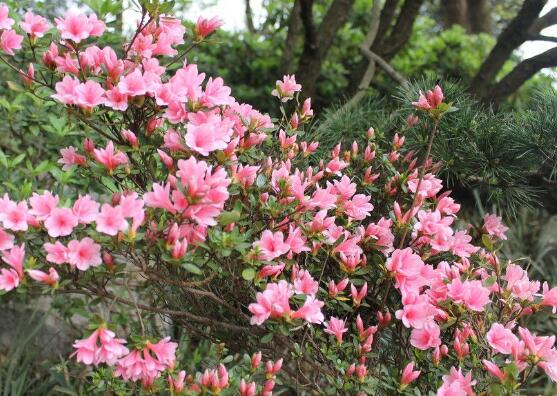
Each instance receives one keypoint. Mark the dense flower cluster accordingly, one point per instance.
(213, 199)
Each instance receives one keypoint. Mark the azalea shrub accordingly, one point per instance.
(204, 218)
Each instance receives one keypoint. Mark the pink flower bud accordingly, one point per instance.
(256, 360)
(88, 146)
(370, 133)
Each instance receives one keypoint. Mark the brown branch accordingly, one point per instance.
(163, 311)
(541, 37)
(402, 30)
(383, 64)
(546, 20)
(521, 73)
(516, 33)
(369, 73)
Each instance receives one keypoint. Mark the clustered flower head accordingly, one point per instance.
(329, 258)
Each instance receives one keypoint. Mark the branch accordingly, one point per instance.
(168, 312)
(402, 30)
(367, 43)
(541, 37)
(521, 73)
(383, 64)
(516, 33)
(548, 19)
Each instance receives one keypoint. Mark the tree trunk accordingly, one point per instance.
(385, 22)
(402, 30)
(516, 33)
(455, 12)
(317, 43)
(249, 17)
(292, 38)
(479, 16)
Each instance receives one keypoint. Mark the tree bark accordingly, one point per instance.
(479, 16)
(292, 38)
(520, 74)
(318, 42)
(455, 12)
(249, 17)
(385, 23)
(400, 34)
(516, 33)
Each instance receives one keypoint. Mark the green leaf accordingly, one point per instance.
(248, 274)
(230, 217)
(267, 338)
(194, 269)
(487, 242)
(490, 281)
(3, 159)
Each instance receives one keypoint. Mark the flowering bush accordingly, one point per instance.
(350, 276)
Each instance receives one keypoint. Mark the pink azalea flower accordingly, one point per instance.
(34, 25)
(286, 88)
(100, 347)
(409, 375)
(310, 311)
(405, 265)
(14, 215)
(549, 296)
(111, 220)
(245, 175)
(426, 337)
(501, 339)
(159, 198)
(5, 21)
(9, 279)
(494, 226)
(205, 27)
(85, 209)
(10, 41)
(89, 95)
(61, 222)
(14, 258)
(134, 366)
(56, 253)
(457, 384)
(164, 350)
(305, 284)
(207, 133)
(79, 27)
(71, 158)
(51, 278)
(116, 100)
(6, 240)
(66, 90)
(272, 245)
(109, 157)
(358, 208)
(133, 84)
(271, 303)
(42, 205)
(336, 327)
(84, 254)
